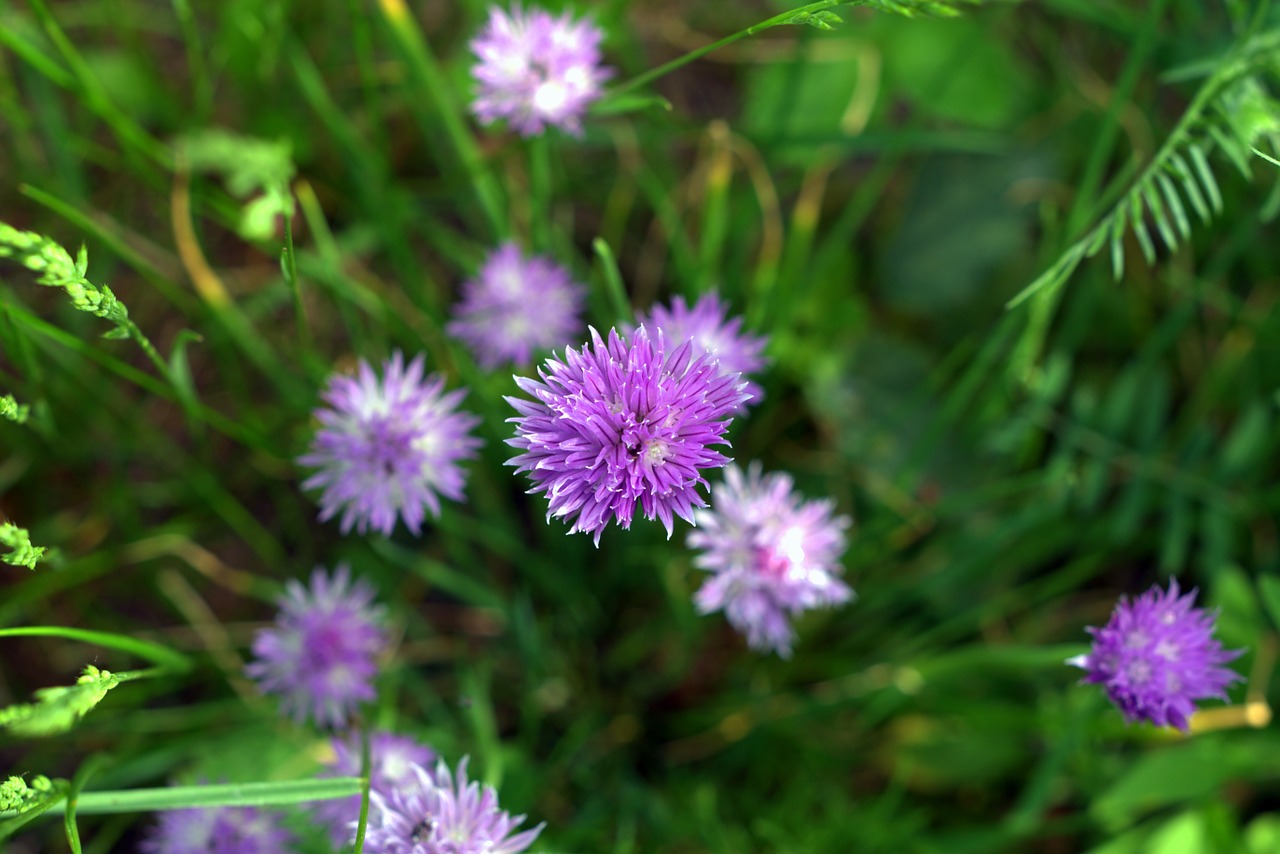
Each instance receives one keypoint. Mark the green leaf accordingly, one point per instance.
(12, 410)
(18, 541)
(1174, 201)
(1189, 186)
(1182, 774)
(20, 803)
(57, 709)
(1269, 595)
(159, 655)
(274, 794)
(1201, 163)
(1139, 227)
(1156, 207)
(630, 102)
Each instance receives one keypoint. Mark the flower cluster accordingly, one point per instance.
(715, 333)
(392, 759)
(515, 307)
(389, 447)
(319, 656)
(770, 555)
(216, 830)
(535, 70)
(443, 813)
(1156, 656)
(613, 424)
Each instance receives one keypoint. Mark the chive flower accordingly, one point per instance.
(713, 332)
(517, 306)
(443, 813)
(535, 70)
(614, 424)
(771, 556)
(389, 447)
(392, 759)
(216, 830)
(318, 657)
(1156, 656)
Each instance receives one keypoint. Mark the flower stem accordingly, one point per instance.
(666, 68)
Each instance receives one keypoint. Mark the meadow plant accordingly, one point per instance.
(392, 760)
(389, 447)
(612, 424)
(319, 658)
(1157, 656)
(517, 306)
(771, 555)
(714, 333)
(901, 213)
(536, 70)
(441, 812)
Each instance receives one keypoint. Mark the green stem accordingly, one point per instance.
(613, 282)
(423, 65)
(666, 68)
(289, 267)
(72, 803)
(219, 795)
(366, 777)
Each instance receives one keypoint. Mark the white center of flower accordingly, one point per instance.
(657, 452)
(1139, 672)
(550, 96)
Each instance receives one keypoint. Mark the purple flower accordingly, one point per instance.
(613, 424)
(319, 655)
(216, 830)
(1157, 656)
(389, 447)
(517, 306)
(714, 333)
(443, 814)
(535, 70)
(771, 556)
(392, 760)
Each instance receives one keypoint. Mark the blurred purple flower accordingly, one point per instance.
(216, 830)
(613, 424)
(389, 447)
(517, 306)
(771, 555)
(535, 70)
(442, 813)
(1156, 656)
(713, 332)
(392, 759)
(319, 655)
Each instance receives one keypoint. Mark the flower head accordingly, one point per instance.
(535, 70)
(389, 447)
(392, 759)
(613, 424)
(771, 556)
(713, 332)
(1156, 656)
(319, 655)
(517, 306)
(216, 830)
(443, 813)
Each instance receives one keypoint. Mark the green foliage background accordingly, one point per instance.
(870, 197)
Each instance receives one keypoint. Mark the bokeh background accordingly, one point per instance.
(868, 197)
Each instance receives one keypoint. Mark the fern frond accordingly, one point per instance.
(1230, 113)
